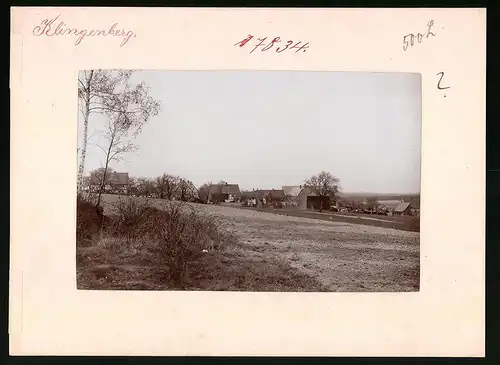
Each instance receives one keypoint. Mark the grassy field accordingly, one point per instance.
(267, 252)
(406, 223)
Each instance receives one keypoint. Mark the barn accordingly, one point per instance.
(215, 194)
(308, 199)
(402, 209)
(222, 192)
(232, 191)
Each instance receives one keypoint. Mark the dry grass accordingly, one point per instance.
(177, 247)
(106, 267)
(245, 250)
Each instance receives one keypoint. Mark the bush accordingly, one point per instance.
(88, 220)
(131, 217)
(175, 235)
(183, 233)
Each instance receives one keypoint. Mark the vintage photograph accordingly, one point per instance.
(263, 181)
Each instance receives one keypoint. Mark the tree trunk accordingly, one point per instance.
(81, 167)
(103, 182)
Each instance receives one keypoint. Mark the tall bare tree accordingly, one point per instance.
(324, 185)
(117, 146)
(127, 110)
(95, 88)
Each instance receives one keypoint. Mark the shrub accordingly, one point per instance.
(182, 233)
(131, 216)
(175, 235)
(88, 220)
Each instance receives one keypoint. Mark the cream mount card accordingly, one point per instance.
(446, 48)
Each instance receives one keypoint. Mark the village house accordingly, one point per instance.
(115, 182)
(404, 208)
(249, 198)
(185, 191)
(308, 199)
(224, 192)
(389, 205)
(273, 196)
(269, 196)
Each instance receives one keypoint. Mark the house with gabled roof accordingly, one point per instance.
(222, 192)
(114, 181)
(308, 199)
(185, 190)
(403, 208)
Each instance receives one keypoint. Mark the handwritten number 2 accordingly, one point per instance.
(439, 82)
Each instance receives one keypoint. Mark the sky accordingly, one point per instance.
(266, 129)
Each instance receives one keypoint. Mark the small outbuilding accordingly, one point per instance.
(308, 199)
(402, 209)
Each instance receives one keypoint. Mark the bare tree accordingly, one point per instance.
(117, 146)
(324, 185)
(145, 186)
(95, 87)
(166, 185)
(127, 110)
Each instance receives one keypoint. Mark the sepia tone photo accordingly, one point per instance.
(270, 181)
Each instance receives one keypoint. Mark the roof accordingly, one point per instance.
(307, 190)
(390, 203)
(231, 189)
(188, 185)
(276, 194)
(291, 190)
(261, 193)
(402, 207)
(249, 194)
(225, 189)
(112, 178)
(215, 189)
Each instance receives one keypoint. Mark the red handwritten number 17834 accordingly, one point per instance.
(267, 45)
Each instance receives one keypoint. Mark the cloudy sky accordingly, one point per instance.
(263, 129)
